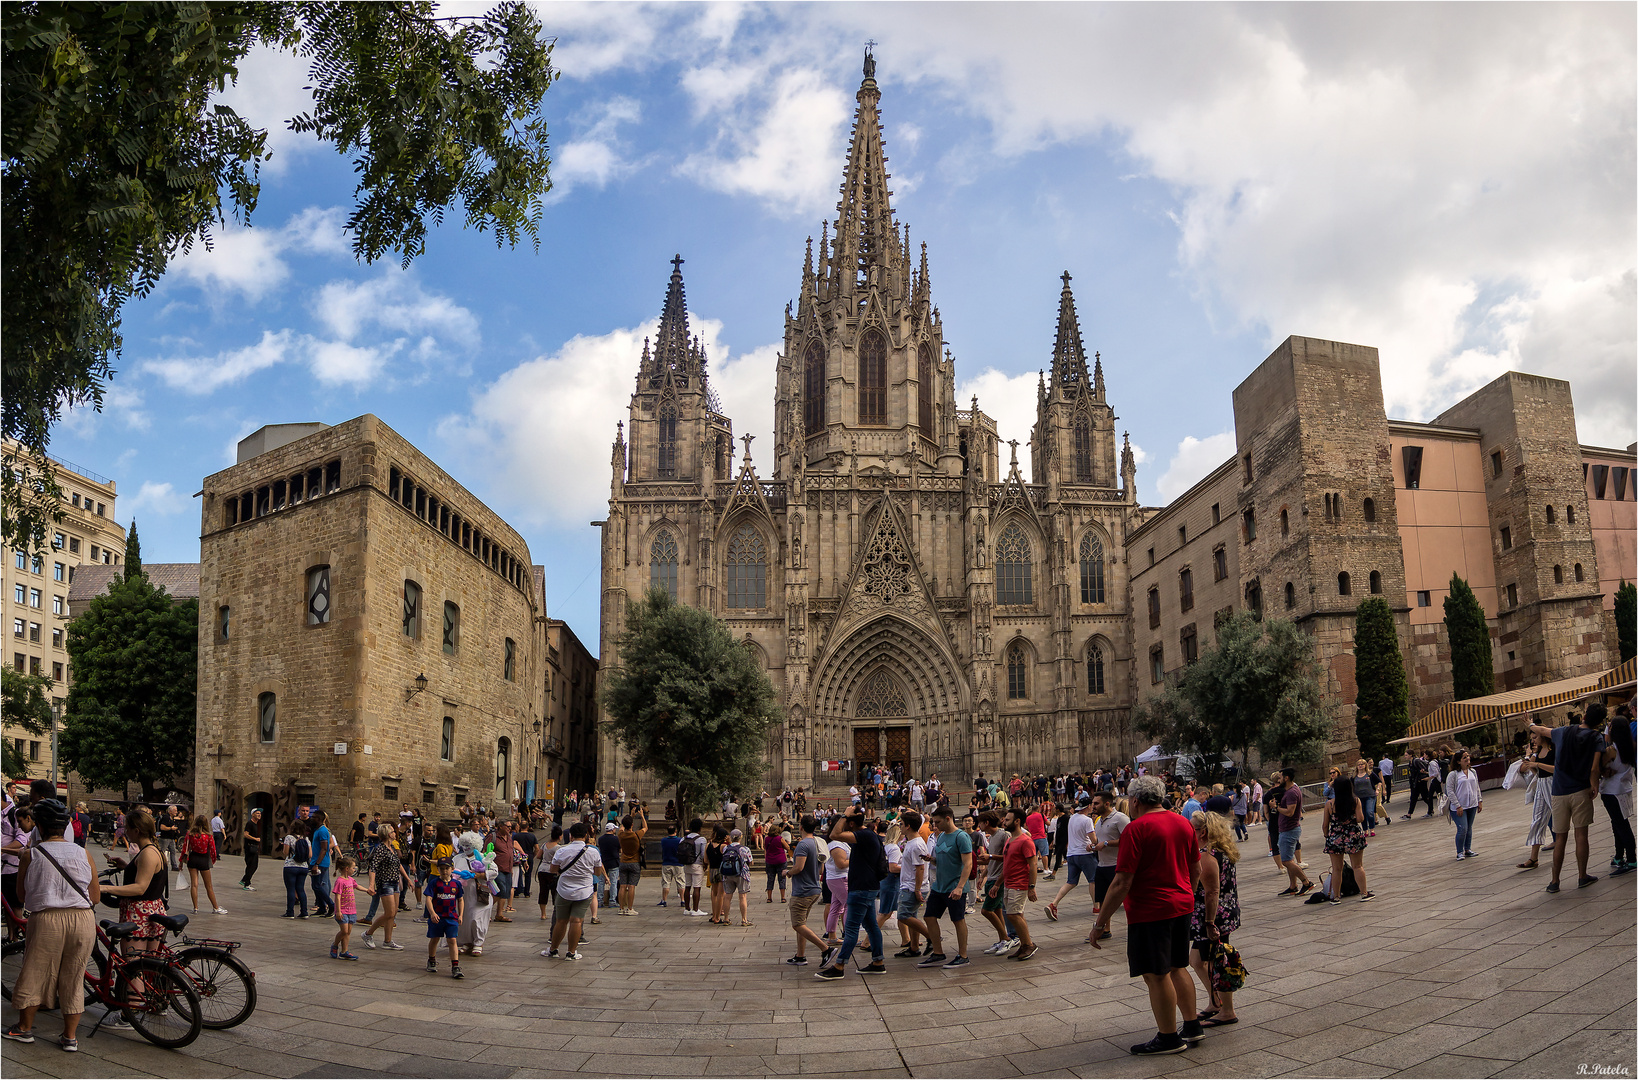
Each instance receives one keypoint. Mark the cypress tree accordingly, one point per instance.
(1382, 704)
(133, 553)
(1626, 619)
(1472, 670)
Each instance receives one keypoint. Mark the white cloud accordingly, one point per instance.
(248, 260)
(1190, 464)
(396, 303)
(161, 499)
(120, 402)
(269, 92)
(205, 375)
(1010, 400)
(544, 430)
(595, 154)
(335, 362)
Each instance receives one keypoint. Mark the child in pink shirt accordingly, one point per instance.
(346, 899)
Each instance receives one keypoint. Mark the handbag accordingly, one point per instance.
(1512, 774)
(1228, 970)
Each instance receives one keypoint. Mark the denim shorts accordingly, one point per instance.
(909, 904)
(1043, 847)
(1288, 843)
(1082, 866)
(889, 895)
(348, 920)
(386, 890)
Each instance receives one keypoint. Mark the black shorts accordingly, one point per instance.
(940, 903)
(199, 861)
(1100, 882)
(1159, 947)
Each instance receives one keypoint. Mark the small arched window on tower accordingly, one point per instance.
(872, 378)
(1580, 575)
(668, 442)
(1083, 449)
(1370, 509)
(1017, 673)
(1552, 514)
(662, 563)
(1091, 569)
(1290, 596)
(1345, 584)
(1376, 583)
(924, 391)
(745, 569)
(1285, 523)
(1094, 670)
(1012, 567)
(1569, 515)
(1558, 575)
(813, 388)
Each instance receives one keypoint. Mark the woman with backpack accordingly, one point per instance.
(1344, 828)
(200, 852)
(298, 853)
(713, 866)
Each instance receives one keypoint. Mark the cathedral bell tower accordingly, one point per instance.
(1073, 441)
(677, 431)
(863, 372)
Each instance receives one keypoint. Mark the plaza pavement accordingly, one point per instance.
(1457, 969)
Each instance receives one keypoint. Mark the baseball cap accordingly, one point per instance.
(611, 827)
(1220, 804)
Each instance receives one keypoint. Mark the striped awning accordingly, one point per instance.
(1456, 716)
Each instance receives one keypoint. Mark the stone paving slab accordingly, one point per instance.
(1457, 969)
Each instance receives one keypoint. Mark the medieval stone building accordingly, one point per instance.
(915, 598)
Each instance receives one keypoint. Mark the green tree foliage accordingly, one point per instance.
(1382, 704)
(1472, 670)
(133, 552)
(130, 712)
(25, 706)
(687, 702)
(1626, 619)
(115, 159)
(1258, 685)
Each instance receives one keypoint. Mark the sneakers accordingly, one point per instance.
(829, 973)
(1052, 912)
(907, 952)
(20, 1034)
(1306, 887)
(797, 961)
(829, 954)
(288, 915)
(548, 953)
(1025, 954)
(1460, 856)
(1161, 1044)
(432, 966)
(932, 960)
(1470, 854)
(876, 967)
(334, 955)
(115, 1022)
(247, 888)
(69, 1046)
(1286, 892)
(1367, 897)
(220, 911)
(660, 904)
(1191, 1032)
(1552, 886)
(1623, 868)
(995, 950)
(1334, 901)
(1584, 882)
(571, 956)
(369, 942)
(960, 961)
(1012, 943)
(399, 948)
(455, 972)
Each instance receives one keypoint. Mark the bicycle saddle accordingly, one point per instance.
(172, 923)
(116, 930)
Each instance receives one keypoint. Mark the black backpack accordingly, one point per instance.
(733, 862)
(688, 851)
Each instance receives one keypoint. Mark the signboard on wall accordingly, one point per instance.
(548, 790)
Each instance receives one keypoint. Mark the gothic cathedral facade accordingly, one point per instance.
(913, 596)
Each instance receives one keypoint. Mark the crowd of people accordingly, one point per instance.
(893, 857)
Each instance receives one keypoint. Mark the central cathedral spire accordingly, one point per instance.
(866, 236)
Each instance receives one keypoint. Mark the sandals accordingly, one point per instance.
(1531, 865)
(1215, 1022)
(746, 922)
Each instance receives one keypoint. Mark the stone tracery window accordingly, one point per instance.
(668, 442)
(1012, 567)
(924, 391)
(318, 596)
(1017, 673)
(813, 390)
(1094, 670)
(662, 563)
(881, 696)
(745, 569)
(1091, 569)
(872, 378)
(1083, 449)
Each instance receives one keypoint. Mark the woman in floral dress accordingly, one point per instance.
(1345, 836)
(1217, 892)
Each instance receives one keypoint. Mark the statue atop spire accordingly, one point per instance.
(870, 61)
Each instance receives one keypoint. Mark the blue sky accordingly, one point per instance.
(1452, 184)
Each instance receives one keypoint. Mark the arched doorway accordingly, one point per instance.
(887, 740)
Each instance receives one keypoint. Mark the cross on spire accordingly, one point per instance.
(1067, 279)
(676, 263)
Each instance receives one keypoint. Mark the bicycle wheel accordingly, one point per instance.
(161, 1004)
(226, 987)
(11, 966)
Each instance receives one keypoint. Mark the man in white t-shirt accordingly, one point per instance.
(914, 875)
(1386, 765)
(1083, 861)
(918, 795)
(578, 868)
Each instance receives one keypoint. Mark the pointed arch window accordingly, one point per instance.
(881, 696)
(1083, 449)
(1094, 670)
(873, 378)
(1091, 569)
(1012, 567)
(662, 563)
(924, 391)
(745, 569)
(813, 389)
(668, 442)
(1017, 673)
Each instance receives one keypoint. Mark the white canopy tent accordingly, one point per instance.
(1154, 753)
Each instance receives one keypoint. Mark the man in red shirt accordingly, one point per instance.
(1018, 881)
(1035, 825)
(1155, 876)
